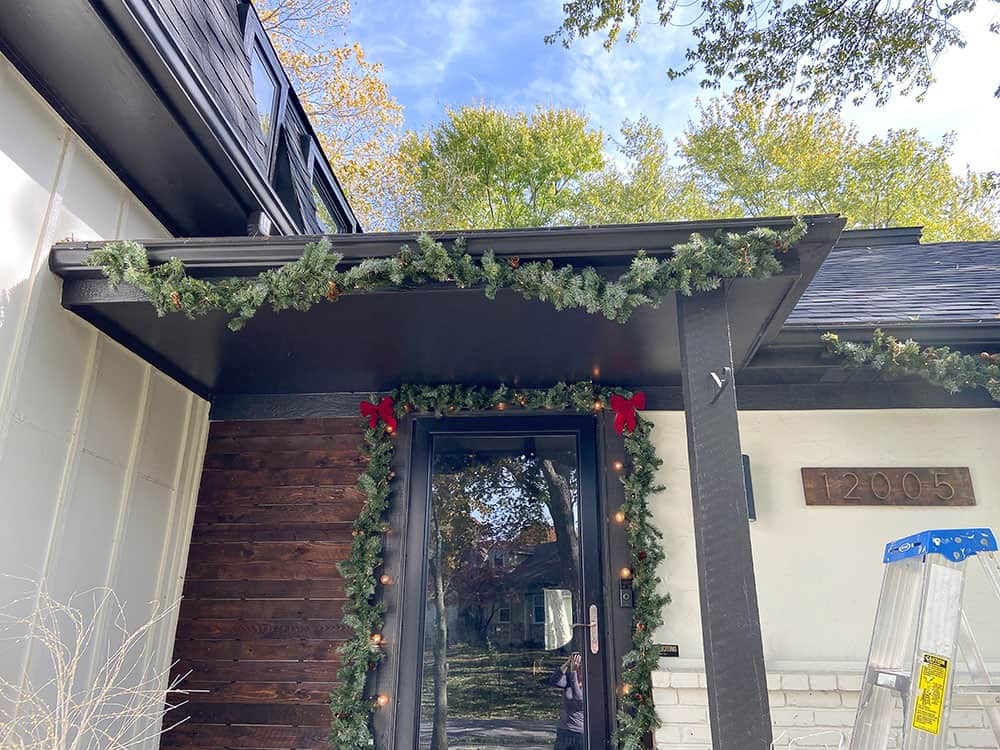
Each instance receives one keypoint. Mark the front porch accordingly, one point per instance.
(262, 618)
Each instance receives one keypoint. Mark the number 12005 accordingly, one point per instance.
(888, 486)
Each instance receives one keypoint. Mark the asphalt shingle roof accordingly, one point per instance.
(887, 276)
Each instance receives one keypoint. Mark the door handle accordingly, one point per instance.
(595, 640)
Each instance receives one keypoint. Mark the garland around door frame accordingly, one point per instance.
(700, 264)
(364, 573)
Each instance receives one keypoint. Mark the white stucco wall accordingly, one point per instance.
(819, 569)
(99, 453)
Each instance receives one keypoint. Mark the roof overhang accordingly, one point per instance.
(375, 341)
(116, 75)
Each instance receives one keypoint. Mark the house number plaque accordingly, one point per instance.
(942, 486)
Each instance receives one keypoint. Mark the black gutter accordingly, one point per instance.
(955, 333)
(597, 245)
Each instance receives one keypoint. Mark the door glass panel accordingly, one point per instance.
(502, 664)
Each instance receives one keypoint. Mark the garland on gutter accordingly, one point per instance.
(938, 365)
(352, 712)
(700, 264)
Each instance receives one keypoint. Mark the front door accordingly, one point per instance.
(505, 604)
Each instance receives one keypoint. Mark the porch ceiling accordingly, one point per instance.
(374, 342)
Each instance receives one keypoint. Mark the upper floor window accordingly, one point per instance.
(269, 85)
(328, 202)
(265, 90)
(324, 207)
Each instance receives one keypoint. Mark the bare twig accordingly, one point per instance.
(100, 689)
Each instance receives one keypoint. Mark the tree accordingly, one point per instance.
(810, 51)
(643, 185)
(740, 156)
(357, 121)
(481, 503)
(747, 157)
(484, 167)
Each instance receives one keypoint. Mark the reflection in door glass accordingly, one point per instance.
(502, 665)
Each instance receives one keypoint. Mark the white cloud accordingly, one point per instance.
(418, 50)
(441, 53)
(626, 83)
(961, 100)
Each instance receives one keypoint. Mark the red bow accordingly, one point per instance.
(384, 411)
(625, 410)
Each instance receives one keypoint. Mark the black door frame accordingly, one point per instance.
(409, 607)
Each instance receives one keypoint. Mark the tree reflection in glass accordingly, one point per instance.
(503, 573)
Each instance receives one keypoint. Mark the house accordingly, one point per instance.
(165, 456)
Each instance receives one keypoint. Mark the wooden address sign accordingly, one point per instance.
(944, 486)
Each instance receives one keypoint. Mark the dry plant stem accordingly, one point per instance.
(120, 704)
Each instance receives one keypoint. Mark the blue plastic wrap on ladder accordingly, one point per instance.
(955, 544)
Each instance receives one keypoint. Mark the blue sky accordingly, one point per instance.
(441, 53)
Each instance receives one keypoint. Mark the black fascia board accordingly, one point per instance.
(604, 245)
(221, 362)
(954, 333)
(799, 352)
(864, 393)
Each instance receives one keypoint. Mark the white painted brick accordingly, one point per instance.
(809, 710)
(664, 697)
(973, 738)
(794, 682)
(814, 698)
(684, 679)
(966, 718)
(667, 734)
(682, 715)
(819, 738)
(836, 717)
(696, 734)
(692, 697)
(850, 699)
(822, 682)
(792, 717)
(849, 682)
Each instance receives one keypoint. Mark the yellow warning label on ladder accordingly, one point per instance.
(929, 704)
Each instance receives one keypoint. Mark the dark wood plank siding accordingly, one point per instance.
(210, 35)
(263, 602)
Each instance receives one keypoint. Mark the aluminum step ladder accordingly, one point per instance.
(920, 631)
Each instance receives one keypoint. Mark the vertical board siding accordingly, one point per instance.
(99, 452)
(261, 618)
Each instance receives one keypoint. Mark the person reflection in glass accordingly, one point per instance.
(569, 677)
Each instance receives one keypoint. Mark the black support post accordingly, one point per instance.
(734, 659)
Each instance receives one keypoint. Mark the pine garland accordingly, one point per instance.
(364, 612)
(938, 365)
(636, 713)
(352, 712)
(700, 264)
